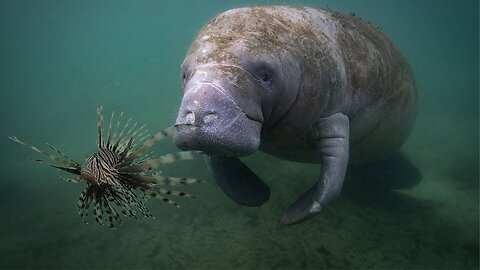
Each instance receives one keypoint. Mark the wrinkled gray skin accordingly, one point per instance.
(302, 84)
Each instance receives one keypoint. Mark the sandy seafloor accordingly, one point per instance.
(62, 59)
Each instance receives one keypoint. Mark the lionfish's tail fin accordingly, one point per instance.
(146, 145)
(162, 160)
(100, 126)
(48, 155)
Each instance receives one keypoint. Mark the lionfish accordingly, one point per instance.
(119, 175)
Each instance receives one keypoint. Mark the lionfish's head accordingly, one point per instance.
(100, 167)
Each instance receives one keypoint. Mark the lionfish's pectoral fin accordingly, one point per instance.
(157, 194)
(164, 180)
(84, 202)
(162, 160)
(112, 215)
(174, 192)
(98, 210)
(62, 154)
(69, 170)
(71, 164)
(70, 180)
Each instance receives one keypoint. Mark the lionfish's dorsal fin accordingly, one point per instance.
(127, 148)
(144, 147)
(115, 135)
(109, 133)
(100, 126)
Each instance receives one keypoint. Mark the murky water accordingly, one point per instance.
(59, 60)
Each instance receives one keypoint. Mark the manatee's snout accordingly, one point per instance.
(211, 121)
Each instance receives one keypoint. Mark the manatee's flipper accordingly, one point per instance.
(237, 180)
(395, 172)
(330, 135)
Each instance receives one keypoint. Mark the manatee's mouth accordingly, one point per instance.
(211, 121)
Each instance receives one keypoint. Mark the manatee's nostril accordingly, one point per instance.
(190, 117)
(209, 118)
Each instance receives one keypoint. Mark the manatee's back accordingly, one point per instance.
(379, 92)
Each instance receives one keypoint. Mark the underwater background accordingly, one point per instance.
(60, 60)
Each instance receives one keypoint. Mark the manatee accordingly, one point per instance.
(299, 83)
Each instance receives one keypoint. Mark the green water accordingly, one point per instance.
(59, 60)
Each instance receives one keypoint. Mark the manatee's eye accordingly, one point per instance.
(184, 73)
(183, 77)
(264, 75)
